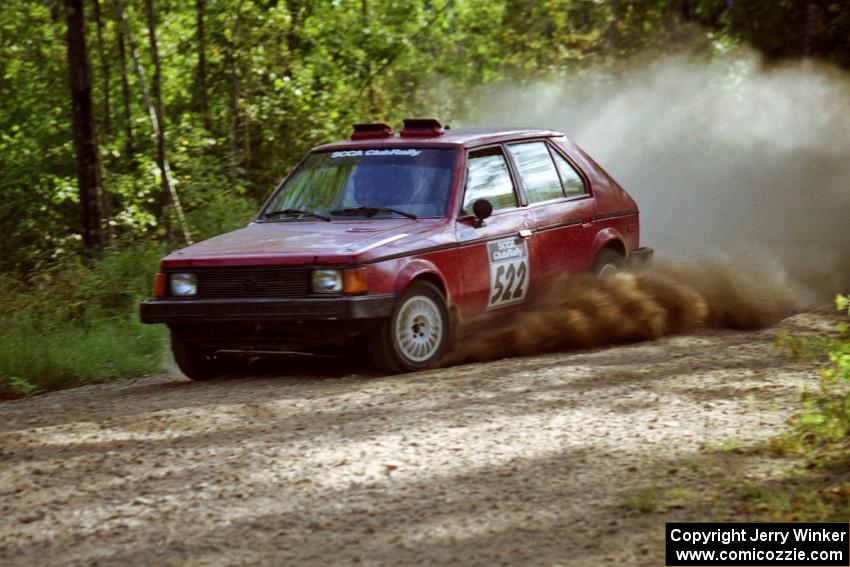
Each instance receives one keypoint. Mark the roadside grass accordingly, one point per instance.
(799, 489)
(657, 498)
(645, 500)
(34, 360)
(77, 323)
(810, 495)
(811, 460)
(819, 436)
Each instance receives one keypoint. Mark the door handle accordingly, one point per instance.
(586, 224)
(524, 233)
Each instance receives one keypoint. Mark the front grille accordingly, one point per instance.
(253, 282)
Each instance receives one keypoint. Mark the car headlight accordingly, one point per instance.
(183, 285)
(327, 281)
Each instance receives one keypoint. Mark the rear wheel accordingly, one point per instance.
(416, 334)
(607, 263)
(197, 363)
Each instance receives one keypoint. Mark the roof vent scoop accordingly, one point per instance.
(371, 131)
(422, 128)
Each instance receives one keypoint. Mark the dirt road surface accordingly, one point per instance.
(526, 461)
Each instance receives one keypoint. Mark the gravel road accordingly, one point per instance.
(526, 461)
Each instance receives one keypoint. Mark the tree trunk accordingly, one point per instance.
(85, 140)
(156, 87)
(233, 105)
(125, 84)
(162, 160)
(814, 29)
(202, 103)
(686, 10)
(104, 70)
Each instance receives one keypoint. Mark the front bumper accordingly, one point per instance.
(188, 311)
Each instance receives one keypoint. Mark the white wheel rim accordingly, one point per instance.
(418, 328)
(608, 270)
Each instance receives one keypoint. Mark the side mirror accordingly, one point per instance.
(481, 209)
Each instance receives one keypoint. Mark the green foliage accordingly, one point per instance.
(819, 491)
(796, 499)
(75, 322)
(33, 360)
(826, 414)
(656, 499)
(644, 501)
(21, 386)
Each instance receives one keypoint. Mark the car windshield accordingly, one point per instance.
(380, 183)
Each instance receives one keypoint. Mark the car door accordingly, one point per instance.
(495, 254)
(560, 207)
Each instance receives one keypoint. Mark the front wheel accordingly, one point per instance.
(416, 334)
(197, 363)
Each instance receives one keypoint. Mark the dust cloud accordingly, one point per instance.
(726, 160)
(742, 175)
(668, 298)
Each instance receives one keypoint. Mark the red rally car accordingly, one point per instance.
(408, 240)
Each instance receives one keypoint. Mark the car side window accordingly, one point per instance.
(488, 178)
(538, 173)
(573, 183)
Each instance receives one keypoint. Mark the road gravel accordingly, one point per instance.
(534, 460)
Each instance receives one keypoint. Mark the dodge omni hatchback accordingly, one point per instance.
(405, 242)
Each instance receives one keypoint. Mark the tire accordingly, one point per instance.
(197, 363)
(608, 262)
(416, 335)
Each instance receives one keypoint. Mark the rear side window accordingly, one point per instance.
(573, 183)
(538, 173)
(488, 178)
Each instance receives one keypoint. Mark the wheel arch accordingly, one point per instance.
(608, 238)
(422, 270)
(431, 278)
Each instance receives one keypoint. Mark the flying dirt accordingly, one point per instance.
(584, 311)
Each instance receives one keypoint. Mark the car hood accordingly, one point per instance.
(300, 242)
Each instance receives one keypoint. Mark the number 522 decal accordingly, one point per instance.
(509, 271)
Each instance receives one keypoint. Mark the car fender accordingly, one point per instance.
(606, 237)
(415, 268)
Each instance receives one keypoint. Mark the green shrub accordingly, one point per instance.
(67, 355)
(826, 414)
(76, 322)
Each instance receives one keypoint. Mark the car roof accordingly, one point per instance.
(465, 137)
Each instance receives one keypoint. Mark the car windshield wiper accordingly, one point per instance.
(295, 212)
(370, 211)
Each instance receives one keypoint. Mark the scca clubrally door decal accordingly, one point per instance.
(509, 271)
